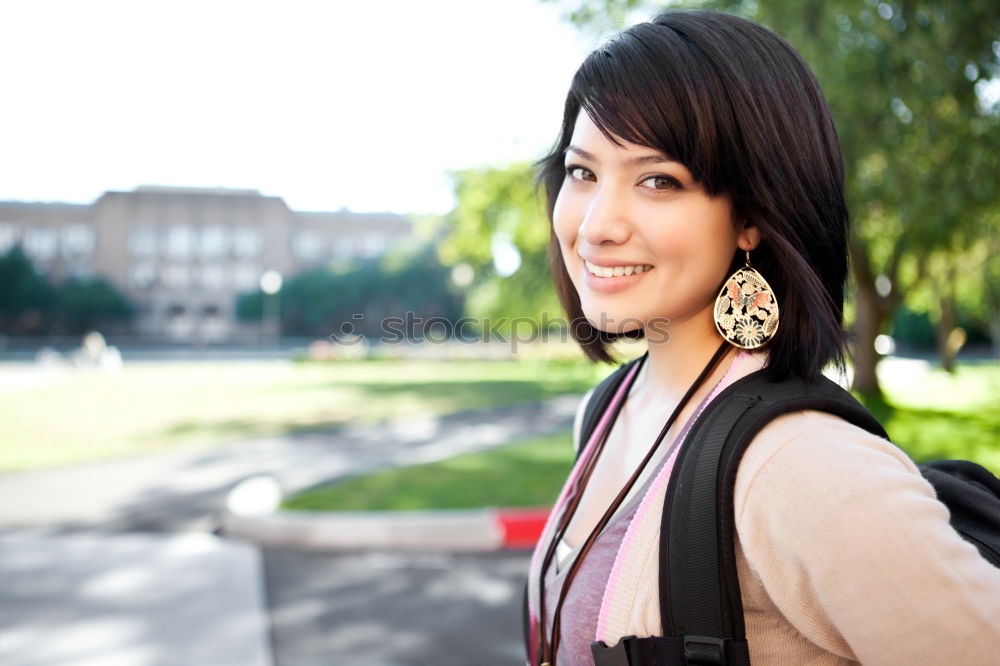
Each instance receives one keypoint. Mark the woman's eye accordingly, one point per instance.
(579, 173)
(661, 183)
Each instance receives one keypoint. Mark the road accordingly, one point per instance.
(396, 609)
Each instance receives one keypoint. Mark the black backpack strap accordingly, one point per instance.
(630, 650)
(658, 651)
(599, 399)
(972, 494)
(699, 580)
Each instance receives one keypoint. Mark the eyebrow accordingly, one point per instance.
(632, 161)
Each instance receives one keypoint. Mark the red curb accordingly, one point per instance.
(521, 527)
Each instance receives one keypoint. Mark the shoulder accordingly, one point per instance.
(578, 419)
(819, 443)
(853, 548)
(805, 456)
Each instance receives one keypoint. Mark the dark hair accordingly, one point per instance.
(734, 103)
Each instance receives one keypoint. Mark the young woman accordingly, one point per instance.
(692, 147)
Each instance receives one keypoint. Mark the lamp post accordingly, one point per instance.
(270, 285)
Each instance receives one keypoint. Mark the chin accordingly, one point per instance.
(609, 320)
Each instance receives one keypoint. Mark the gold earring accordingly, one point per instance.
(746, 311)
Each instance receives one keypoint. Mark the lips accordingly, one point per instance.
(616, 271)
(613, 279)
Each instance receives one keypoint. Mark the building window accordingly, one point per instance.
(373, 245)
(143, 275)
(78, 239)
(211, 276)
(80, 271)
(307, 246)
(180, 242)
(40, 244)
(247, 242)
(177, 276)
(214, 327)
(344, 248)
(246, 277)
(179, 322)
(142, 242)
(8, 236)
(214, 241)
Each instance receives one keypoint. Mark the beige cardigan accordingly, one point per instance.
(844, 555)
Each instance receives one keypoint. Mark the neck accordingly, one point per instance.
(675, 362)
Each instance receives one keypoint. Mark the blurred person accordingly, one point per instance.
(697, 187)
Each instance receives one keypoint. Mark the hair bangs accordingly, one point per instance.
(633, 94)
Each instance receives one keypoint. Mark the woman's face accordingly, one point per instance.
(634, 214)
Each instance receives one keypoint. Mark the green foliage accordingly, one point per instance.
(82, 305)
(30, 305)
(501, 203)
(603, 17)
(415, 281)
(250, 306)
(901, 78)
(25, 297)
(912, 328)
(966, 279)
(360, 294)
(933, 414)
(915, 329)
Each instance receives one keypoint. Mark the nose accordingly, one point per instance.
(605, 221)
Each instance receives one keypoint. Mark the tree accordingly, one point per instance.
(962, 290)
(85, 304)
(25, 297)
(500, 208)
(359, 295)
(908, 85)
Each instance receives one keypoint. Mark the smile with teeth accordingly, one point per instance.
(614, 271)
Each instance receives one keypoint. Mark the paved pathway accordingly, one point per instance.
(78, 585)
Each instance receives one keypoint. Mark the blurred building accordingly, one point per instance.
(183, 255)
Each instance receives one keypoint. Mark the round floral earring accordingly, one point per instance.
(746, 311)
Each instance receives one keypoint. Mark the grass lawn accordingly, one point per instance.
(528, 472)
(929, 413)
(82, 416)
(935, 415)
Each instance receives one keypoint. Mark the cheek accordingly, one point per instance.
(709, 242)
(562, 221)
(566, 225)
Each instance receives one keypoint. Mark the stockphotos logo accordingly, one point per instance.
(516, 331)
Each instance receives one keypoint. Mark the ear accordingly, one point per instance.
(748, 237)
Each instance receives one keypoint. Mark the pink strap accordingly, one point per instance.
(571, 484)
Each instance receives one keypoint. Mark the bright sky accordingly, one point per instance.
(328, 104)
